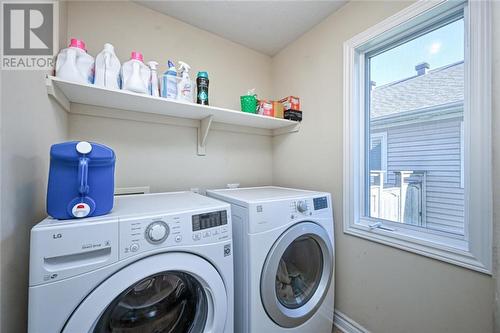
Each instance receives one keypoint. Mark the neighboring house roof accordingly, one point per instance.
(440, 86)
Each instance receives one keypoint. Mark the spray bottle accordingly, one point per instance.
(153, 80)
(185, 88)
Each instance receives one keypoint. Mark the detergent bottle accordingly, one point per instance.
(169, 82)
(153, 79)
(135, 74)
(107, 68)
(75, 64)
(185, 86)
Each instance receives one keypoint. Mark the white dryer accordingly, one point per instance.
(157, 263)
(284, 259)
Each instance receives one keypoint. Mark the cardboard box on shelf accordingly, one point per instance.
(291, 103)
(295, 115)
(278, 109)
(266, 108)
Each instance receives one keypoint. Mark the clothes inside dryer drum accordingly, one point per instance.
(299, 272)
(168, 302)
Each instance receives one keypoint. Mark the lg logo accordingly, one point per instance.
(56, 236)
(28, 28)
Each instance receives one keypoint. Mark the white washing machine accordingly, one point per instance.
(157, 263)
(284, 259)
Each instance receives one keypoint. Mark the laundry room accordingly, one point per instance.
(250, 166)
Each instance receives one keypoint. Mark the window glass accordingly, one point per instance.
(415, 95)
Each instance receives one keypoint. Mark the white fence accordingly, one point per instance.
(403, 201)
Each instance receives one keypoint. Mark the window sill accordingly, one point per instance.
(450, 250)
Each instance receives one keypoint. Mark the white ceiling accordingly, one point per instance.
(265, 26)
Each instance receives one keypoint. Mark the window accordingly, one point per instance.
(417, 163)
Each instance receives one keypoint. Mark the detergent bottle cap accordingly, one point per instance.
(136, 56)
(203, 74)
(77, 43)
(109, 47)
(152, 64)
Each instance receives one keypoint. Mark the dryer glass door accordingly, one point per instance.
(170, 292)
(297, 273)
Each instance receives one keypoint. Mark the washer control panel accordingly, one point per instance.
(157, 232)
(142, 234)
(300, 207)
(308, 207)
(209, 224)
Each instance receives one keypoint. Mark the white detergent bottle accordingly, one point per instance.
(135, 74)
(153, 79)
(75, 64)
(107, 68)
(185, 87)
(169, 82)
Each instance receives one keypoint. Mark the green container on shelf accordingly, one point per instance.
(248, 103)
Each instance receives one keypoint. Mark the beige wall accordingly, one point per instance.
(29, 123)
(164, 156)
(384, 289)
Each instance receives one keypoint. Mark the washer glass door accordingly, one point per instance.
(172, 292)
(170, 301)
(296, 274)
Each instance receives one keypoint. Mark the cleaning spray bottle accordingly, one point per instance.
(153, 80)
(169, 82)
(107, 68)
(185, 87)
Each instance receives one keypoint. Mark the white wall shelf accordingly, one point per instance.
(119, 104)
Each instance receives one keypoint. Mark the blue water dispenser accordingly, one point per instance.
(81, 180)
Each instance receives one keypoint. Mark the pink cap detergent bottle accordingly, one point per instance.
(74, 63)
(135, 74)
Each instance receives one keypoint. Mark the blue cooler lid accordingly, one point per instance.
(71, 151)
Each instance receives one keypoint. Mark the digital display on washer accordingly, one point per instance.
(209, 220)
(320, 203)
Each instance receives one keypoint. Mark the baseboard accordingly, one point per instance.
(346, 324)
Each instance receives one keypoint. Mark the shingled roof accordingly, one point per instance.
(440, 86)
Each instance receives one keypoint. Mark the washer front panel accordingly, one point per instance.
(87, 317)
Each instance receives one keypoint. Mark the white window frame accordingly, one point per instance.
(473, 250)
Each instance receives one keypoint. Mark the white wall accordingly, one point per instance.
(384, 289)
(164, 156)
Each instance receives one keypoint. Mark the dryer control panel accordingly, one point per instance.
(144, 234)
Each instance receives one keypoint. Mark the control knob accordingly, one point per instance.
(157, 232)
(301, 206)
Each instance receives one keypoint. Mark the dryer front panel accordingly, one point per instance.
(296, 275)
(169, 292)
